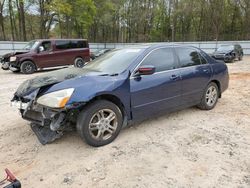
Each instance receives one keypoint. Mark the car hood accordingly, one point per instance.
(53, 78)
(14, 53)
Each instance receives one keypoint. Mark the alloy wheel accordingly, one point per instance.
(211, 96)
(103, 124)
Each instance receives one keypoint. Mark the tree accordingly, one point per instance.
(3, 36)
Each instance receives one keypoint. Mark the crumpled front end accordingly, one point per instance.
(52, 102)
(47, 123)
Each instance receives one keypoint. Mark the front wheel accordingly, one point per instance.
(100, 123)
(5, 66)
(28, 67)
(210, 97)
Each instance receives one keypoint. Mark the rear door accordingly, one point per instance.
(63, 52)
(195, 73)
(160, 91)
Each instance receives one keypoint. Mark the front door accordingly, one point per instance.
(46, 56)
(160, 91)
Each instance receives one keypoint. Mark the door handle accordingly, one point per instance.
(174, 77)
(206, 70)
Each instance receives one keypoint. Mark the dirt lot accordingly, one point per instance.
(190, 148)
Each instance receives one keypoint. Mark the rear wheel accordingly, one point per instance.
(99, 123)
(28, 67)
(79, 62)
(210, 97)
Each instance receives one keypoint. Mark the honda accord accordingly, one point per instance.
(121, 87)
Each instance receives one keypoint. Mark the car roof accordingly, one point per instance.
(157, 45)
(58, 39)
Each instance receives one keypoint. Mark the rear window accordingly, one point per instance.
(67, 44)
(188, 56)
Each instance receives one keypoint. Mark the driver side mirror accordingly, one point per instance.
(40, 49)
(145, 70)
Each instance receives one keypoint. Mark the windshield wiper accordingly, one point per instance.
(113, 74)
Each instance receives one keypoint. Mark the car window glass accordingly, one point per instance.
(46, 46)
(62, 44)
(31, 45)
(203, 60)
(115, 61)
(188, 57)
(78, 44)
(162, 59)
(225, 48)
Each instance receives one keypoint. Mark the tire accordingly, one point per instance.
(28, 67)
(93, 125)
(5, 66)
(79, 62)
(210, 97)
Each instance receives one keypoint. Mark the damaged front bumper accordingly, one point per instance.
(48, 124)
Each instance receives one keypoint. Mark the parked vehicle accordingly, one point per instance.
(98, 53)
(121, 87)
(229, 53)
(5, 60)
(49, 53)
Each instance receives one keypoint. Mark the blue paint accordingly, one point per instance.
(146, 95)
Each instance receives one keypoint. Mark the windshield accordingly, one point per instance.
(114, 62)
(31, 45)
(225, 48)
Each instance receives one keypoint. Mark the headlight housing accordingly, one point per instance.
(12, 58)
(57, 99)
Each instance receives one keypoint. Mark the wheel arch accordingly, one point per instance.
(79, 56)
(217, 82)
(23, 60)
(114, 99)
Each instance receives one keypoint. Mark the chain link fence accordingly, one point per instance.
(209, 46)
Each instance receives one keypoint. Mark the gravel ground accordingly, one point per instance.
(189, 148)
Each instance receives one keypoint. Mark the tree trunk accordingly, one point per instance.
(11, 21)
(2, 20)
(22, 19)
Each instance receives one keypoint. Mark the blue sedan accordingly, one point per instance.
(121, 87)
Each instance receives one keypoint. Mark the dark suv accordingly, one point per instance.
(49, 53)
(229, 53)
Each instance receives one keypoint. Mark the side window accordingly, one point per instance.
(203, 60)
(46, 46)
(188, 57)
(62, 44)
(78, 44)
(163, 59)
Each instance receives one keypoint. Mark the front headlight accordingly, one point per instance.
(57, 99)
(12, 58)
